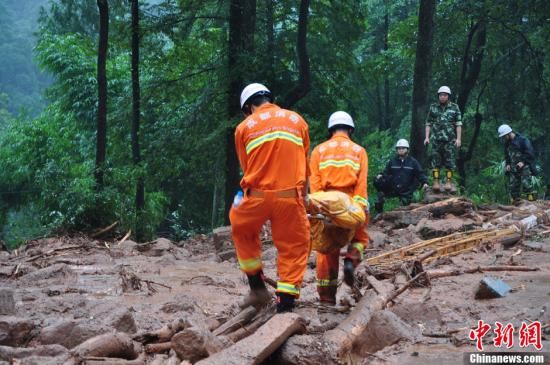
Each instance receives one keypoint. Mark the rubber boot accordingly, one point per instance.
(327, 294)
(258, 295)
(449, 185)
(531, 197)
(285, 302)
(349, 276)
(379, 209)
(436, 187)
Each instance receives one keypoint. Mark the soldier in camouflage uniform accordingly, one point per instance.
(520, 163)
(444, 120)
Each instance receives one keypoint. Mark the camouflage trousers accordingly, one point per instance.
(520, 182)
(443, 154)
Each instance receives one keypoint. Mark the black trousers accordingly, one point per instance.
(387, 190)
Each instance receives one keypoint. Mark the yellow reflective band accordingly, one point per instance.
(327, 282)
(360, 199)
(271, 137)
(359, 248)
(250, 264)
(287, 288)
(339, 163)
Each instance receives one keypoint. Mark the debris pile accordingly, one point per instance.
(91, 301)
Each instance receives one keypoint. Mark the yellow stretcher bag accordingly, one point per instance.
(341, 216)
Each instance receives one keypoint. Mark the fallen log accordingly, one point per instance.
(255, 349)
(115, 344)
(236, 322)
(404, 218)
(112, 361)
(264, 315)
(334, 345)
(434, 274)
(340, 340)
(158, 348)
(124, 238)
(104, 230)
(456, 206)
(164, 334)
(400, 291)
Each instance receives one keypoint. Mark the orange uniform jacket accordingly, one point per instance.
(288, 137)
(272, 145)
(340, 164)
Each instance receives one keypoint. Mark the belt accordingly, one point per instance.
(289, 193)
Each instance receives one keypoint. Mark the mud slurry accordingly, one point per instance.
(67, 290)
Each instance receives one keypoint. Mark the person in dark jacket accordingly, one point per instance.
(520, 163)
(401, 177)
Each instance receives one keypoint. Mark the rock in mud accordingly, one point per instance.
(384, 329)
(15, 331)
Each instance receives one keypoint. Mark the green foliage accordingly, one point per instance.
(23, 224)
(361, 54)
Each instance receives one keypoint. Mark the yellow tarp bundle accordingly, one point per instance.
(344, 214)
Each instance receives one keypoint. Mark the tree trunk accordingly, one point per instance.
(101, 143)
(387, 109)
(270, 42)
(242, 21)
(136, 109)
(380, 108)
(471, 67)
(304, 82)
(422, 74)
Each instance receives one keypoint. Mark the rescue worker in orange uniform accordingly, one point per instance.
(340, 164)
(273, 146)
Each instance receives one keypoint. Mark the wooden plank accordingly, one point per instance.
(255, 349)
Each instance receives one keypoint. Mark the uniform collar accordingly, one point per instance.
(266, 106)
(340, 135)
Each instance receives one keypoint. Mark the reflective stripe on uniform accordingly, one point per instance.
(283, 287)
(360, 199)
(256, 142)
(327, 282)
(339, 163)
(359, 247)
(250, 264)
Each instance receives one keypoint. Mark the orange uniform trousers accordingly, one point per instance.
(290, 231)
(328, 265)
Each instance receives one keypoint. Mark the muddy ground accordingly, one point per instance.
(67, 290)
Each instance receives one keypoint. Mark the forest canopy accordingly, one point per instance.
(194, 58)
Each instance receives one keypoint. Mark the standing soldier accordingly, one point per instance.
(340, 164)
(272, 145)
(520, 163)
(445, 122)
(401, 177)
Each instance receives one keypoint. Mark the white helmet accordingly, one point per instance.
(504, 130)
(402, 143)
(253, 90)
(444, 89)
(340, 118)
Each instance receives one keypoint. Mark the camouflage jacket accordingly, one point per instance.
(443, 120)
(519, 150)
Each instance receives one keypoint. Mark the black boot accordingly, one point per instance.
(258, 295)
(379, 207)
(285, 302)
(349, 276)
